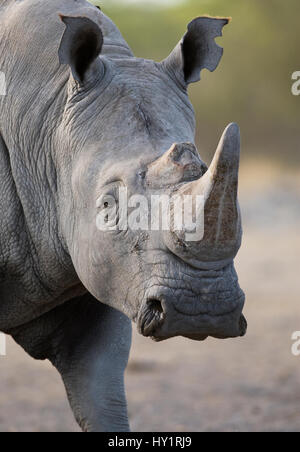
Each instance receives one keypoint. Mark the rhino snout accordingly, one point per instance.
(180, 313)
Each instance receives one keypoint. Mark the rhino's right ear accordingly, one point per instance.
(197, 50)
(80, 46)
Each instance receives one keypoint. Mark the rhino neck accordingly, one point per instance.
(29, 117)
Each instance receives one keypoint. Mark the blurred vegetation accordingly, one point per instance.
(252, 85)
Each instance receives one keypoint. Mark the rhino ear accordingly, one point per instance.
(81, 44)
(197, 50)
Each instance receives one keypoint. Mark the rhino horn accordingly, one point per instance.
(219, 187)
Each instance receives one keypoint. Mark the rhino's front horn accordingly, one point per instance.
(222, 223)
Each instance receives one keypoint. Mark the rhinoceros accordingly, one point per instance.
(81, 118)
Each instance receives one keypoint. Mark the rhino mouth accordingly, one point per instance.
(216, 309)
(160, 318)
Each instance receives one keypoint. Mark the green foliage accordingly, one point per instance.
(253, 82)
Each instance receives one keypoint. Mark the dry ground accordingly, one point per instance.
(249, 384)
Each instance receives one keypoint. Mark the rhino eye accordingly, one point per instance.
(106, 202)
(107, 212)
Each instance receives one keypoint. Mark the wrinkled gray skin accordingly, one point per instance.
(81, 117)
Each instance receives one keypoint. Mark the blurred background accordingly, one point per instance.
(248, 384)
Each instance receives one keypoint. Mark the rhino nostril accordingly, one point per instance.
(151, 316)
(155, 305)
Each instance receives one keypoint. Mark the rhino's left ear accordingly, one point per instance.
(81, 44)
(197, 50)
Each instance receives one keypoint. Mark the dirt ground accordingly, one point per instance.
(249, 384)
